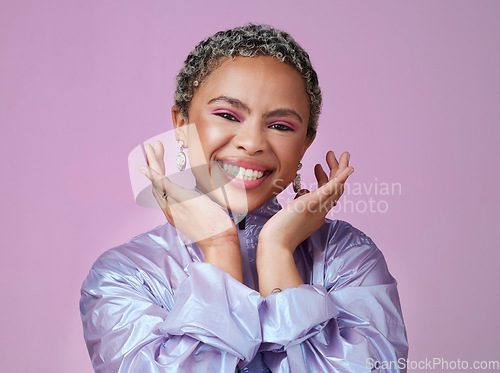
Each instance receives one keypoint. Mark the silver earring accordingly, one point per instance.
(296, 180)
(181, 157)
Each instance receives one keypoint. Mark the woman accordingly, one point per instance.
(283, 289)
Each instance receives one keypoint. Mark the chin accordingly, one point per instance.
(241, 202)
(236, 197)
(238, 200)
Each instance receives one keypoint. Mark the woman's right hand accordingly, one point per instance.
(195, 215)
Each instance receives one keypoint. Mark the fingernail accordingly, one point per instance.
(350, 172)
(348, 157)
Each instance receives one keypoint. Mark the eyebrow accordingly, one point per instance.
(231, 101)
(283, 113)
(240, 105)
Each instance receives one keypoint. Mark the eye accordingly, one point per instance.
(227, 116)
(280, 127)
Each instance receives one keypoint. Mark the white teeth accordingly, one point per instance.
(242, 173)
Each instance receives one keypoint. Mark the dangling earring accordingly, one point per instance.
(296, 180)
(181, 157)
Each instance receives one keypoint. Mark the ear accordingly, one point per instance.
(307, 144)
(180, 124)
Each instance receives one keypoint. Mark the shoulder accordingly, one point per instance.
(147, 246)
(159, 255)
(335, 237)
(349, 256)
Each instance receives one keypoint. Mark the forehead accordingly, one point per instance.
(258, 81)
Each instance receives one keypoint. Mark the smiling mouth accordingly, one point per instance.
(241, 172)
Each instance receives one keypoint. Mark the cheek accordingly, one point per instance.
(289, 158)
(204, 140)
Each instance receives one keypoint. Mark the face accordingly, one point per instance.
(247, 131)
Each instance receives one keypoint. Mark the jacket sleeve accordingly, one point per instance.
(134, 322)
(350, 323)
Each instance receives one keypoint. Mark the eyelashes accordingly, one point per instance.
(282, 127)
(227, 116)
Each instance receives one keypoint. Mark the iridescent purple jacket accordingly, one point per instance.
(152, 305)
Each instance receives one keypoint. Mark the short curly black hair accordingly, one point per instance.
(247, 41)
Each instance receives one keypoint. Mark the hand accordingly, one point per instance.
(281, 235)
(194, 214)
(306, 213)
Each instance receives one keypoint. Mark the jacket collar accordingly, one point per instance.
(266, 210)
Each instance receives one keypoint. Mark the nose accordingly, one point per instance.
(251, 138)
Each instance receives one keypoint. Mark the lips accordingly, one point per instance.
(243, 173)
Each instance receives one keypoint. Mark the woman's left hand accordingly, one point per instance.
(306, 213)
(281, 235)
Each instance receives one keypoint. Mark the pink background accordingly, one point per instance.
(411, 89)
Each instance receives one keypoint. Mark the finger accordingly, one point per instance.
(328, 195)
(150, 173)
(344, 160)
(159, 181)
(167, 187)
(331, 160)
(146, 149)
(330, 203)
(166, 202)
(301, 193)
(162, 200)
(165, 207)
(320, 200)
(160, 152)
(344, 174)
(335, 187)
(152, 159)
(342, 164)
(321, 175)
